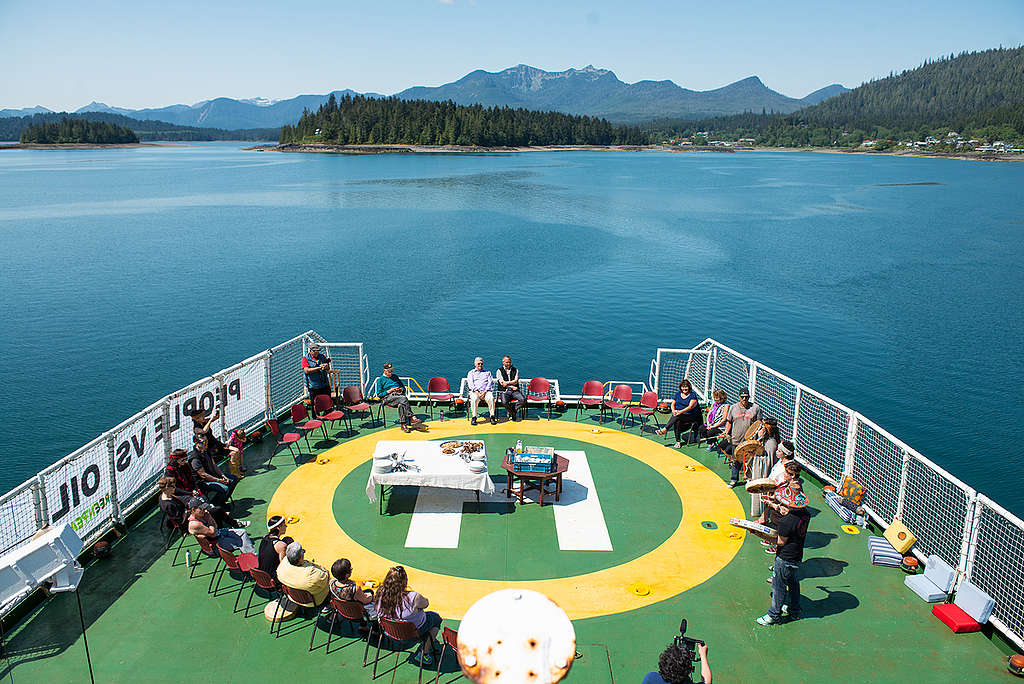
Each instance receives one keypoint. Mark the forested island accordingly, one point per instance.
(149, 130)
(77, 131)
(359, 120)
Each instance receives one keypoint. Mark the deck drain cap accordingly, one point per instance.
(708, 525)
(639, 589)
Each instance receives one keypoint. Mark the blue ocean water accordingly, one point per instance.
(890, 284)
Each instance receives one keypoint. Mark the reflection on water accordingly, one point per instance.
(889, 284)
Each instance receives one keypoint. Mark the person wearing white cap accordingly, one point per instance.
(315, 365)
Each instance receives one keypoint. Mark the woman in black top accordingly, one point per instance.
(174, 503)
(273, 545)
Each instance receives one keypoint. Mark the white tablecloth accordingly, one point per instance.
(435, 469)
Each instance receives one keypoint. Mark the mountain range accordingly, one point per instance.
(590, 91)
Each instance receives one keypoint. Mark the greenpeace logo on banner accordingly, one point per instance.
(79, 491)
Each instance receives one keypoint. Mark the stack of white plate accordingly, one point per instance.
(383, 465)
(477, 467)
(478, 457)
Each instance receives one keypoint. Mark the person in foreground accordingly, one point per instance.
(395, 601)
(686, 412)
(508, 383)
(298, 573)
(391, 391)
(789, 554)
(675, 666)
(202, 524)
(479, 384)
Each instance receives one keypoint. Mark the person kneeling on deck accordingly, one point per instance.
(391, 390)
(508, 383)
(298, 573)
(344, 589)
(202, 524)
(675, 666)
(396, 601)
(273, 545)
(741, 415)
(480, 383)
(792, 533)
(212, 482)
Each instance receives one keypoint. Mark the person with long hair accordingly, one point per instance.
(394, 600)
(761, 465)
(685, 412)
(714, 424)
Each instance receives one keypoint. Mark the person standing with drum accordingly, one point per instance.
(741, 415)
(761, 464)
(792, 533)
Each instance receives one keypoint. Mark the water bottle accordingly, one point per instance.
(519, 447)
(188, 558)
(442, 415)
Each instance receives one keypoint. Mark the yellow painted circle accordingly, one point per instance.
(850, 529)
(687, 558)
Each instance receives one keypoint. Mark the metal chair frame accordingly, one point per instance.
(391, 629)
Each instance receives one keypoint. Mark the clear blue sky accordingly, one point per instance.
(143, 53)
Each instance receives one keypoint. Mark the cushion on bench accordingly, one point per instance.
(842, 511)
(928, 592)
(939, 573)
(974, 602)
(880, 552)
(955, 618)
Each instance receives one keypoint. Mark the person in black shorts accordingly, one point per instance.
(788, 556)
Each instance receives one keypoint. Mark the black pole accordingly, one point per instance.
(81, 619)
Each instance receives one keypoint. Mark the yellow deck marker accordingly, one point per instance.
(687, 558)
(850, 529)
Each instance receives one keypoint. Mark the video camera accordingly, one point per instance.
(685, 643)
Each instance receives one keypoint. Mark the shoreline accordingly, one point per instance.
(323, 148)
(75, 146)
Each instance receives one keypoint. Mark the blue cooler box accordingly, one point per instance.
(534, 460)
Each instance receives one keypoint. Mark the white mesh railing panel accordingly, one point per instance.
(671, 371)
(878, 465)
(17, 516)
(286, 382)
(821, 435)
(935, 510)
(997, 568)
(732, 373)
(345, 360)
(139, 456)
(245, 393)
(78, 489)
(777, 398)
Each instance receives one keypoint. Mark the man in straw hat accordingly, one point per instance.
(792, 532)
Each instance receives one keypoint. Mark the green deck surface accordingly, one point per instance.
(147, 622)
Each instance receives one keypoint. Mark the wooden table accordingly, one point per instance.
(535, 480)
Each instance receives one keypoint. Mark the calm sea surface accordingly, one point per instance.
(891, 285)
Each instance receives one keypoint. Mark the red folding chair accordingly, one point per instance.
(298, 597)
(647, 408)
(399, 631)
(265, 582)
(352, 612)
(299, 413)
(206, 549)
(592, 395)
(538, 387)
(182, 529)
(288, 438)
(324, 405)
(621, 395)
(450, 638)
(230, 564)
(438, 389)
(352, 400)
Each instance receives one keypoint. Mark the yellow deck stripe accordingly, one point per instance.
(688, 557)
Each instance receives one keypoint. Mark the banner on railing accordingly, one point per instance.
(245, 391)
(78, 490)
(139, 452)
(200, 395)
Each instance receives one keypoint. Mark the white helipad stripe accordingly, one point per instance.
(437, 519)
(579, 520)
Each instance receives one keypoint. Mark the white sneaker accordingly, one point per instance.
(244, 523)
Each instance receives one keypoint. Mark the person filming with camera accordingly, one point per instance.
(675, 664)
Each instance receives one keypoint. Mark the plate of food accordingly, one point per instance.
(472, 447)
(450, 445)
(448, 450)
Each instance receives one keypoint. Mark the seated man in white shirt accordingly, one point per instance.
(480, 384)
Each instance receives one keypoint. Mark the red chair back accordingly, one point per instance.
(539, 386)
(264, 580)
(275, 429)
(300, 596)
(322, 403)
(593, 388)
(352, 394)
(399, 630)
(350, 610)
(299, 413)
(451, 637)
(649, 400)
(228, 557)
(438, 386)
(622, 393)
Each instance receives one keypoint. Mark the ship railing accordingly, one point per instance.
(982, 540)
